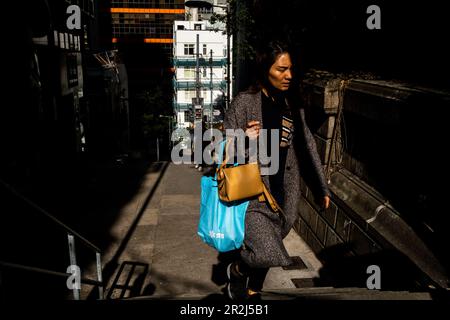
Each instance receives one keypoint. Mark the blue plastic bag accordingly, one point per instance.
(221, 224)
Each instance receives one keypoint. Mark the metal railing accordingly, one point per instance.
(217, 85)
(71, 236)
(190, 61)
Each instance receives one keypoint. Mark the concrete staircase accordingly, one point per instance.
(281, 283)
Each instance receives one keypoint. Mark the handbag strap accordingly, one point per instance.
(224, 150)
(219, 171)
(222, 164)
(267, 196)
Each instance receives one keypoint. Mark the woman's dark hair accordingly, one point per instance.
(266, 56)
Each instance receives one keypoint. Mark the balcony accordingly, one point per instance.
(191, 85)
(192, 62)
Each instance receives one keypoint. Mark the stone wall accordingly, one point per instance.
(380, 143)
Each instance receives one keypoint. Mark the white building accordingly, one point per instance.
(212, 68)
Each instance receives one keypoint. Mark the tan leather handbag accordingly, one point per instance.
(243, 182)
(238, 182)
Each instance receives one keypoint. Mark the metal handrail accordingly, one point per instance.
(46, 271)
(71, 235)
(48, 215)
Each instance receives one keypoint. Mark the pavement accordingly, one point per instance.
(155, 252)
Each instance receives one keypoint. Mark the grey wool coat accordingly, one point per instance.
(265, 230)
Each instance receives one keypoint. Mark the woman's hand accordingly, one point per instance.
(326, 202)
(252, 130)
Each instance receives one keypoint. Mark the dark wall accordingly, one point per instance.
(385, 176)
(410, 45)
(21, 91)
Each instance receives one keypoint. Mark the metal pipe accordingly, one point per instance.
(157, 149)
(170, 133)
(211, 88)
(228, 55)
(197, 73)
(99, 275)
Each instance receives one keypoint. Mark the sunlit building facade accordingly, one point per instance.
(210, 87)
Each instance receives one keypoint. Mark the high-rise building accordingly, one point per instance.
(142, 32)
(200, 62)
(146, 21)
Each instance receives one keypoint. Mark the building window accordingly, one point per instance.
(188, 49)
(188, 95)
(189, 72)
(180, 27)
(204, 50)
(197, 26)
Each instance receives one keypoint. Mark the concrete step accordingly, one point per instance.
(317, 293)
(329, 293)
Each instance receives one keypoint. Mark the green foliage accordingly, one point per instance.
(255, 22)
(153, 104)
(243, 22)
(240, 21)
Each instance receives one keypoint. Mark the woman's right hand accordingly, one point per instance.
(252, 130)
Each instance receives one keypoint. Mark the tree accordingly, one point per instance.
(153, 103)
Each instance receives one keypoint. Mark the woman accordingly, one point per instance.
(269, 105)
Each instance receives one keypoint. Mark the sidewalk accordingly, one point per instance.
(157, 253)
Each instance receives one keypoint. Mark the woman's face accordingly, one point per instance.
(280, 73)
